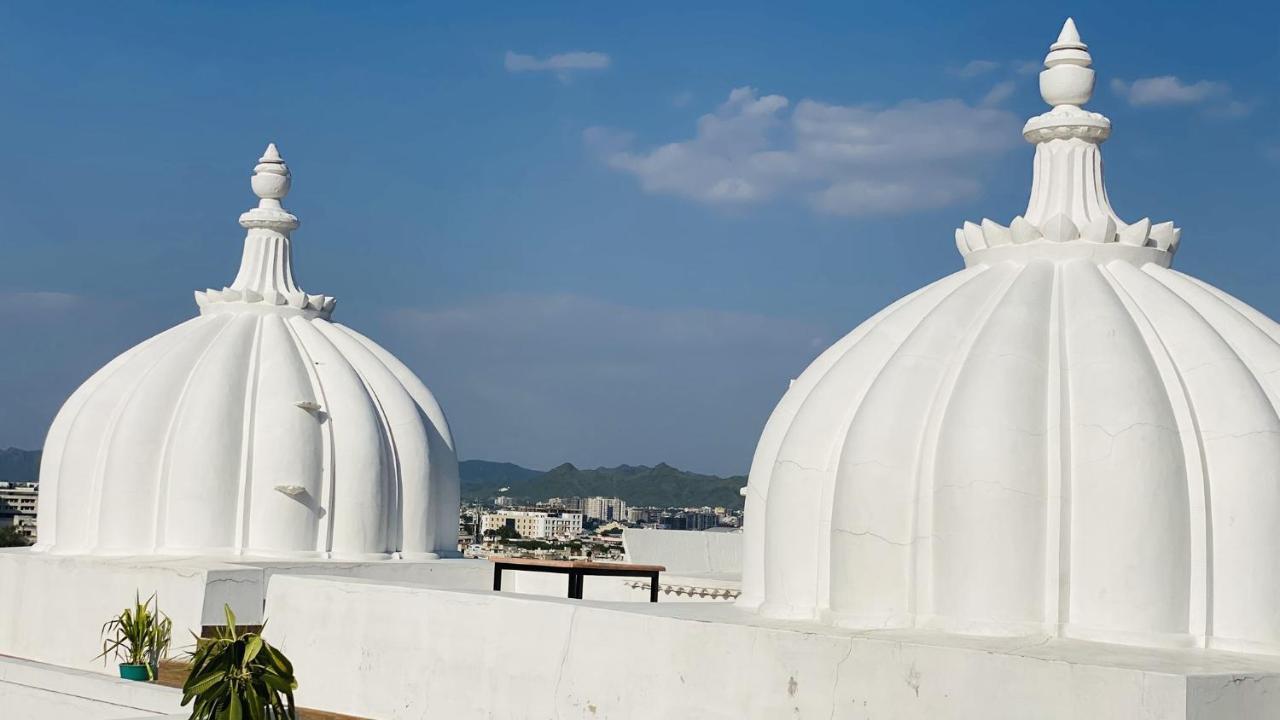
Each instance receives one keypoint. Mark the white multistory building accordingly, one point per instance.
(19, 503)
(604, 509)
(534, 524)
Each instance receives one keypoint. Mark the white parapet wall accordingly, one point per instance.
(424, 652)
(684, 552)
(52, 607)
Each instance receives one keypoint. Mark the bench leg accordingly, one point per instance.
(575, 585)
(497, 578)
(653, 588)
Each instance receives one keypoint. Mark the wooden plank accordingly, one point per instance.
(577, 564)
(173, 673)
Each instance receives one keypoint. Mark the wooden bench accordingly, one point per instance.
(576, 570)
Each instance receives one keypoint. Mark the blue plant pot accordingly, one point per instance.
(130, 671)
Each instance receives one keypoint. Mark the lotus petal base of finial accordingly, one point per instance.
(1058, 237)
(231, 300)
(269, 219)
(1065, 122)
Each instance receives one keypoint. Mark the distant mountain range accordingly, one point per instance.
(660, 485)
(19, 465)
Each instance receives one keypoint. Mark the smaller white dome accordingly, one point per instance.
(259, 427)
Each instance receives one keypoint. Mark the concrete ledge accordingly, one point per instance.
(37, 690)
(422, 652)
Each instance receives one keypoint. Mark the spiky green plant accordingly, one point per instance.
(237, 676)
(139, 635)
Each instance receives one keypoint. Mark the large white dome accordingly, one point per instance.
(259, 427)
(1066, 437)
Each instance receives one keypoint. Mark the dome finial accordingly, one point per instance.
(271, 178)
(271, 182)
(1067, 78)
(266, 278)
(1069, 34)
(1068, 203)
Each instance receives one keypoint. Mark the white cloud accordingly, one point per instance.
(544, 379)
(974, 68)
(864, 197)
(1028, 67)
(563, 65)
(999, 92)
(840, 159)
(1167, 90)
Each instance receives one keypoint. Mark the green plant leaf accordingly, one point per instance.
(204, 683)
(252, 647)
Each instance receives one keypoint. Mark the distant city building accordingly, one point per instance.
(18, 503)
(534, 524)
(642, 516)
(503, 501)
(689, 520)
(573, 504)
(604, 509)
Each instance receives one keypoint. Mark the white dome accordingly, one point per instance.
(1066, 437)
(259, 427)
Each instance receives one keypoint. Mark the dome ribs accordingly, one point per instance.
(1240, 433)
(324, 534)
(820, 399)
(125, 477)
(284, 502)
(427, 482)
(1200, 536)
(1127, 485)
(1057, 543)
(360, 493)
(244, 491)
(444, 493)
(766, 455)
(165, 475)
(372, 379)
(56, 444)
(876, 493)
(202, 505)
(984, 457)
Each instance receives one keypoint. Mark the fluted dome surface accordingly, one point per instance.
(259, 427)
(1066, 437)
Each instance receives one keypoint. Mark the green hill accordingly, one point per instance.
(484, 478)
(19, 465)
(661, 485)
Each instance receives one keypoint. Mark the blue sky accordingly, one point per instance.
(600, 233)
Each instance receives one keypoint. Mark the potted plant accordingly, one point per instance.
(239, 675)
(139, 636)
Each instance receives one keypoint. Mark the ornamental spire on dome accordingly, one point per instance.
(265, 281)
(1068, 202)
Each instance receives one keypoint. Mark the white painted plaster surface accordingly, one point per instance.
(423, 652)
(36, 691)
(258, 427)
(1066, 437)
(682, 552)
(52, 606)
